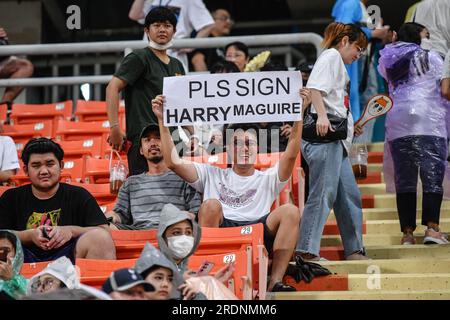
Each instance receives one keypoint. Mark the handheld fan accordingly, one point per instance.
(377, 106)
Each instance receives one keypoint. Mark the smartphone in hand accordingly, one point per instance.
(4, 255)
(45, 233)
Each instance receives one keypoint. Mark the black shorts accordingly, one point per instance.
(268, 236)
(35, 254)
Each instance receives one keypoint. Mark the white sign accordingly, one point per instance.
(232, 98)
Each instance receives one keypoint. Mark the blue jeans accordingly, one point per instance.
(332, 185)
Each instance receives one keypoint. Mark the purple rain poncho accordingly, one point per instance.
(414, 77)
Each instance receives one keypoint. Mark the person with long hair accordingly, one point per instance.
(332, 184)
(416, 132)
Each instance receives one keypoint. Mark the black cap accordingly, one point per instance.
(151, 127)
(124, 279)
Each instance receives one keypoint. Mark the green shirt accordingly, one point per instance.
(143, 72)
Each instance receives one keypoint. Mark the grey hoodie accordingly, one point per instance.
(171, 215)
(151, 257)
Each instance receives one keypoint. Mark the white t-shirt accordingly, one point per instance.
(330, 77)
(435, 15)
(242, 198)
(8, 154)
(193, 15)
(446, 70)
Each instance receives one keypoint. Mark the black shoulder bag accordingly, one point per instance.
(309, 132)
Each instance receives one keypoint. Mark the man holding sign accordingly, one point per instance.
(242, 195)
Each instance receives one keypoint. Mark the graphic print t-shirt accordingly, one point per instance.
(71, 205)
(242, 198)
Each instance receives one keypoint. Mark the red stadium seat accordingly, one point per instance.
(70, 131)
(94, 111)
(240, 282)
(23, 132)
(82, 148)
(100, 192)
(30, 269)
(32, 113)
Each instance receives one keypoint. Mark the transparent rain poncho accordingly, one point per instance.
(419, 109)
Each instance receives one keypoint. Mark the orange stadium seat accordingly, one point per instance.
(99, 191)
(267, 160)
(129, 243)
(218, 240)
(30, 269)
(107, 207)
(240, 282)
(95, 272)
(94, 110)
(23, 132)
(70, 131)
(82, 148)
(97, 170)
(3, 110)
(32, 113)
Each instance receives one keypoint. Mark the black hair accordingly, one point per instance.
(160, 14)
(224, 66)
(145, 273)
(11, 237)
(239, 46)
(274, 65)
(410, 32)
(305, 67)
(41, 146)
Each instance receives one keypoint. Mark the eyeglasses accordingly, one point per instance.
(46, 284)
(360, 50)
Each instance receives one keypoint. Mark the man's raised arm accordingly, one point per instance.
(185, 169)
(287, 160)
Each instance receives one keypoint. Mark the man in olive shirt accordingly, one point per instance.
(141, 77)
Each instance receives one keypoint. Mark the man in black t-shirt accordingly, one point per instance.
(141, 76)
(54, 219)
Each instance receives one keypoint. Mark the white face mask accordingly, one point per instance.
(180, 246)
(152, 44)
(425, 44)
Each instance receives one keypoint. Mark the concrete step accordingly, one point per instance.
(392, 227)
(404, 266)
(372, 178)
(389, 201)
(372, 189)
(388, 214)
(376, 147)
(370, 240)
(368, 295)
(375, 167)
(418, 251)
(399, 282)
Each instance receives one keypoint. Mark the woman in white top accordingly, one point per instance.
(332, 183)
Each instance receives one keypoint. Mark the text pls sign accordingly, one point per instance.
(232, 98)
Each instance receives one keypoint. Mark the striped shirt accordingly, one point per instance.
(142, 197)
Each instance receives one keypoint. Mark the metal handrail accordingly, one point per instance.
(117, 46)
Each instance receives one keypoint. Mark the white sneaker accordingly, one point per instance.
(435, 237)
